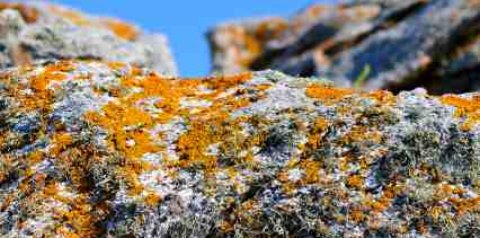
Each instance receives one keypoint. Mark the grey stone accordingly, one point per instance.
(57, 32)
(111, 151)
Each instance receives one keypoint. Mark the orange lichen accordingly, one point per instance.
(355, 181)
(41, 82)
(119, 28)
(253, 47)
(225, 82)
(116, 118)
(204, 132)
(60, 142)
(312, 171)
(361, 134)
(226, 226)
(255, 40)
(315, 136)
(50, 190)
(116, 65)
(467, 108)
(382, 203)
(356, 215)
(466, 205)
(79, 218)
(213, 143)
(327, 94)
(61, 66)
(29, 14)
(320, 125)
(435, 212)
(382, 96)
(251, 41)
(122, 29)
(75, 17)
(152, 199)
(463, 104)
(75, 217)
(129, 125)
(271, 29)
(193, 145)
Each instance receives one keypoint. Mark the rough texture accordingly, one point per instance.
(36, 32)
(374, 44)
(91, 149)
(237, 46)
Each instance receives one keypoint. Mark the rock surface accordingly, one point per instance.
(92, 149)
(35, 32)
(386, 44)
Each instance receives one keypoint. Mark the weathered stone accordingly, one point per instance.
(319, 53)
(92, 149)
(466, 58)
(393, 45)
(236, 46)
(400, 52)
(36, 32)
(455, 73)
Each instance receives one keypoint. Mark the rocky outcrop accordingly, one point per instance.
(35, 32)
(92, 149)
(374, 44)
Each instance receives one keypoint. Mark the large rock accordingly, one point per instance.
(382, 44)
(237, 46)
(91, 149)
(36, 32)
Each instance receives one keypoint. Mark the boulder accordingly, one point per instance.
(95, 149)
(36, 32)
(395, 45)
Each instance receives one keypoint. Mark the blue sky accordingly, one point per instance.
(186, 21)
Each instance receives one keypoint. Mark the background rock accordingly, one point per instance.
(92, 149)
(394, 45)
(35, 32)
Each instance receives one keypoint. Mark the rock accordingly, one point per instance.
(236, 46)
(461, 65)
(37, 32)
(92, 149)
(399, 52)
(404, 44)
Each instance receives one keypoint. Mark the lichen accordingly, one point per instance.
(95, 149)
